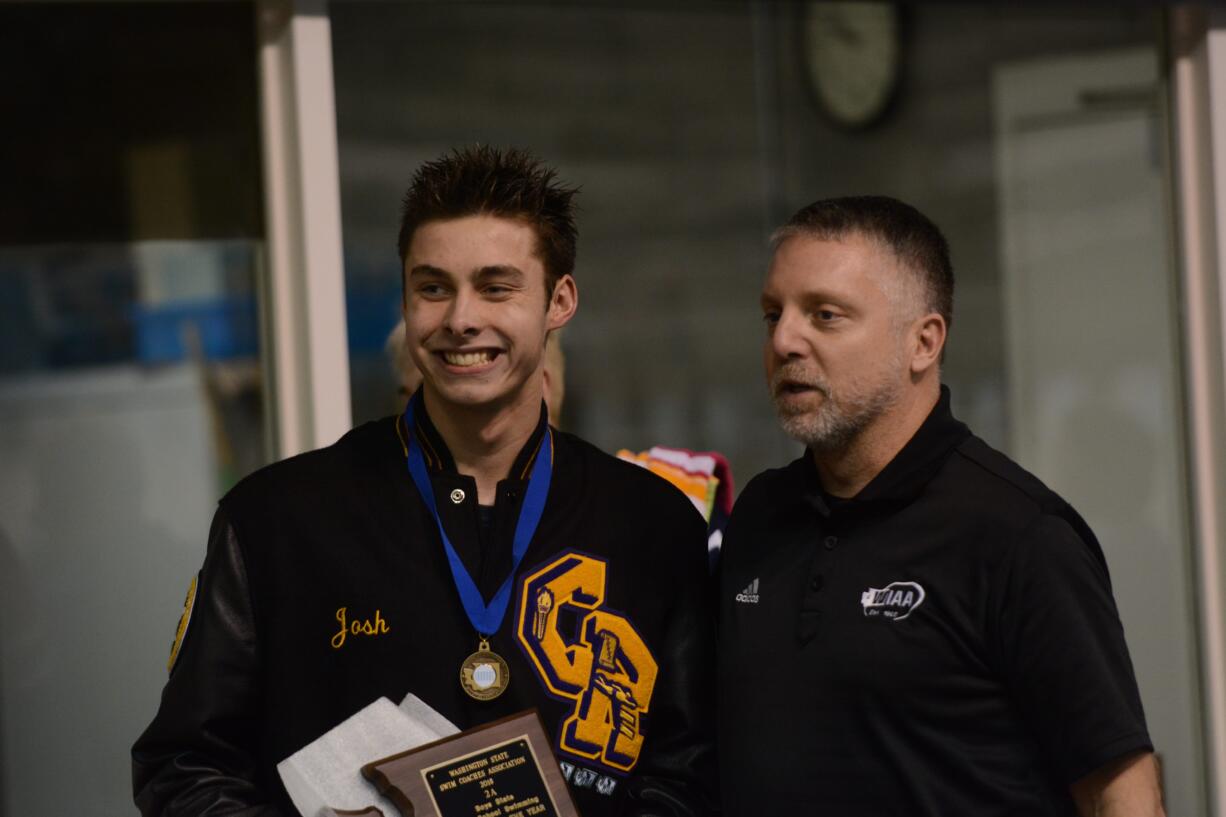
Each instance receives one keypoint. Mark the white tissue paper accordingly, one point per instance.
(328, 772)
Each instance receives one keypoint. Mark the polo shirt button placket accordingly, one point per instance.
(811, 605)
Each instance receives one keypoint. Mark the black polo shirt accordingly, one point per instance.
(944, 643)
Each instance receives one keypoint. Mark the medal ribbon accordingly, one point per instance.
(485, 618)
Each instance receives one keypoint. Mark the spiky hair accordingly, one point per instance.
(509, 183)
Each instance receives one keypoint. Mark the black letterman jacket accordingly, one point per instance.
(325, 586)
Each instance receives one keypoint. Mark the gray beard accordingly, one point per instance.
(837, 422)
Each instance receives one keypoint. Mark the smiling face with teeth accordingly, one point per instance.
(477, 313)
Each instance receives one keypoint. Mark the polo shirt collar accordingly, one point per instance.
(905, 476)
(438, 457)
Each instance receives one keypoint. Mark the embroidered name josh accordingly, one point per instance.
(359, 626)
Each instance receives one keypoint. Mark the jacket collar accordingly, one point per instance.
(903, 478)
(438, 456)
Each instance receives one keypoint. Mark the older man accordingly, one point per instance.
(910, 623)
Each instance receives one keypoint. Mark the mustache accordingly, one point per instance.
(795, 374)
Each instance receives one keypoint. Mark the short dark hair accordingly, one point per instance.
(907, 232)
(511, 183)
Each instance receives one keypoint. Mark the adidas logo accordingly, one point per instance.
(750, 594)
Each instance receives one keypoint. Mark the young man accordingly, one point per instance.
(464, 551)
(909, 622)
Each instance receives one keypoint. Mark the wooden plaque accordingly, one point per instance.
(501, 769)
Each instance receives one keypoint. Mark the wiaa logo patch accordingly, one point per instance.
(895, 601)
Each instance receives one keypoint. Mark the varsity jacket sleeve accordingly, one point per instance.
(198, 755)
(676, 777)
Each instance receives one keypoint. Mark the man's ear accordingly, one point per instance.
(929, 342)
(563, 302)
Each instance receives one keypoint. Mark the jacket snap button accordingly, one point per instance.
(457, 496)
(830, 542)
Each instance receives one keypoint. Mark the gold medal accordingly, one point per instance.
(484, 675)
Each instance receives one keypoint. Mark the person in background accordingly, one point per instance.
(464, 551)
(909, 622)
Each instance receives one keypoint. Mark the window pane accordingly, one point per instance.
(130, 387)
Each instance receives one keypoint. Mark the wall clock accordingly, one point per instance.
(852, 56)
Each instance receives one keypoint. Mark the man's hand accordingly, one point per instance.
(1124, 788)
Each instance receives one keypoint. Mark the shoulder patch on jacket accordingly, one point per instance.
(184, 621)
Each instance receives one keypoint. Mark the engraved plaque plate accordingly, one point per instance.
(502, 769)
(504, 779)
